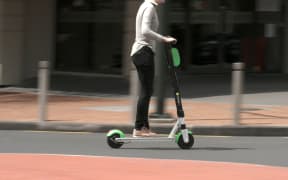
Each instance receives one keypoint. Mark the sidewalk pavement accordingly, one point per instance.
(19, 111)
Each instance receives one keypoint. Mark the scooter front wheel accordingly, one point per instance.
(111, 138)
(182, 144)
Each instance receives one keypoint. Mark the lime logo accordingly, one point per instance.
(177, 93)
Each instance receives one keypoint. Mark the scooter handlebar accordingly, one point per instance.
(171, 42)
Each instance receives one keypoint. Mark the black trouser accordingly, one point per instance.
(144, 62)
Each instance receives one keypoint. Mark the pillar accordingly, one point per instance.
(11, 41)
(131, 8)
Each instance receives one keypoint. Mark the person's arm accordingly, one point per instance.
(146, 26)
(148, 32)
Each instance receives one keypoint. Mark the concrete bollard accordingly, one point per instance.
(237, 88)
(134, 93)
(43, 84)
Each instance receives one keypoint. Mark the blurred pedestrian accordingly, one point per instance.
(142, 55)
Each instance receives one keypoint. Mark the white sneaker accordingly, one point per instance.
(148, 131)
(139, 133)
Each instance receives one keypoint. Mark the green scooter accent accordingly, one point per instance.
(115, 131)
(175, 57)
(177, 136)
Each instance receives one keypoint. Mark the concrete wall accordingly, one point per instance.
(11, 40)
(26, 36)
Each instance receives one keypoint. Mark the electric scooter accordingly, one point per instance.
(179, 133)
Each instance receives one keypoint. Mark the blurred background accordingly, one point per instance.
(90, 84)
(95, 36)
(87, 44)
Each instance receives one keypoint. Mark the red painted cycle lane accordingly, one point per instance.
(66, 167)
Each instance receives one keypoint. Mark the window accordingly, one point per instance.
(89, 36)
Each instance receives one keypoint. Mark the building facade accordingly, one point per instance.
(95, 36)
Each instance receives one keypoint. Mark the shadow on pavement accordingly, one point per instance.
(193, 148)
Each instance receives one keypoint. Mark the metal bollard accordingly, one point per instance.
(237, 88)
(43, 79)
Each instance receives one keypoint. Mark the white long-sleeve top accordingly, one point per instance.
(146, 26)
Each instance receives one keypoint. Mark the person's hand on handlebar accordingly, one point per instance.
(169, 39)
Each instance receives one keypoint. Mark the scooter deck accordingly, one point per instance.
(157, 138)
